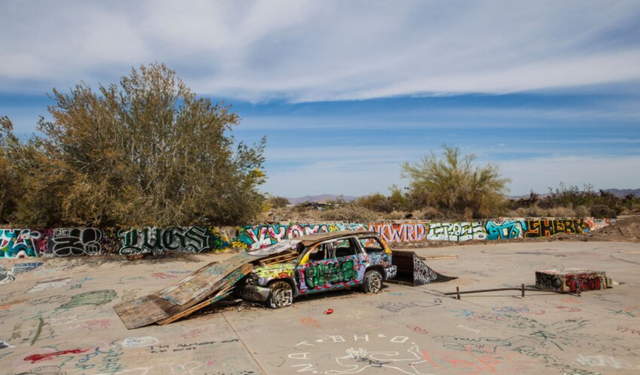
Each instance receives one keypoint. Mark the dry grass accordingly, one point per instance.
(537, 211)
(352, 213)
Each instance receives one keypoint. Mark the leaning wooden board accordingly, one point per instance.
(184, 294)
(227, 285)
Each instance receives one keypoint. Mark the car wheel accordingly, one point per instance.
(281, 295)
(372, 282)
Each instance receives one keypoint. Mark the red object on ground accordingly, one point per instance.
(43, 357)
(330, 311)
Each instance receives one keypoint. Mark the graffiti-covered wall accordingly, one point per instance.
(62, 242)
(255, 237)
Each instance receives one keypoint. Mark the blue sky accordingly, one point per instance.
(347, 91)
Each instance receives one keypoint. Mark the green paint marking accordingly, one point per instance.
(16, 332)
(35, 338)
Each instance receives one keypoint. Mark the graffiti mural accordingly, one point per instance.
(400, 232)
(67, 241)
(176, 239)
(20, 243)
(508, 229)
(585, 282)
(455, 232)
(547, 228)
(549, 281)
(325, 273)
(276, 271)
(422, 274)
(594, 223)
(64, 242)
(265, 235)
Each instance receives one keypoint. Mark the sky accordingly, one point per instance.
(348, 91)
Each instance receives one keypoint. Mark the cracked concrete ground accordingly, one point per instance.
(57, 318)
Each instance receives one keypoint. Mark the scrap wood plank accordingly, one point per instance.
(141, 311)
(228, 284)
(282, 254)
(283, 257)
(203, 282)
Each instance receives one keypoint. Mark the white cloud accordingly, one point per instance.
(329, 50)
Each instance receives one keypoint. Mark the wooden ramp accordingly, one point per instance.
(413, 271)
(207, 285)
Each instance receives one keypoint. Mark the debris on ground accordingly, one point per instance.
(206, 286)
(572, 280)
(216, 281)
(413, 271)
(626, 229)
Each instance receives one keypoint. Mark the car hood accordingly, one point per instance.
(275, 271)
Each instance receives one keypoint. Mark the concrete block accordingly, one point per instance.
(572, 280)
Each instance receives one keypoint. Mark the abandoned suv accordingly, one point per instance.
(319, 263)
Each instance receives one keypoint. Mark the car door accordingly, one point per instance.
(330, 265)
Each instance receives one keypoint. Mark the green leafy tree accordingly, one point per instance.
(143, 153)
(278, 202)
(398, 200)
(11, 184)
(453, 185)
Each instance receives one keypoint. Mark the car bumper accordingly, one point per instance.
(390, 272)
(254, 293)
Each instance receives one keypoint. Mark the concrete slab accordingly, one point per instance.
(58, 318)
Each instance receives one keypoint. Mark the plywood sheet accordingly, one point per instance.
(140, 311)
(180, 297)
(203, 282)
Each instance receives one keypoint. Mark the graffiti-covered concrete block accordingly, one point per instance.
(571, 280)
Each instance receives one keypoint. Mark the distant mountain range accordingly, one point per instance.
(620, 193)
(321, 198)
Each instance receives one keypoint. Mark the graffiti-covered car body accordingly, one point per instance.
(324, 262)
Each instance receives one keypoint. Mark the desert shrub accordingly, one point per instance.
(571, 201)
(454, 186)
(396, 215)
(278, 202)
(535, 211)
(375, 202)
(560, 212)
(581, 211)
(601, 211)
(518, 212)
(429, 213)
(350, 213)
